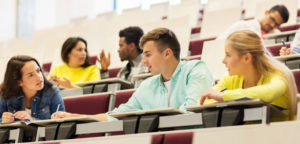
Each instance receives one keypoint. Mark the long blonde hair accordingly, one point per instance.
(246, 41)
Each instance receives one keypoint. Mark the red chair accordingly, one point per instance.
(275, 50)
(91, 104)
(93, 59)
(46, 67)
(297, 78)
(123, 97)
(113, 72)
(197, 46)
(179, 138)
(196, 30)
(157, 139)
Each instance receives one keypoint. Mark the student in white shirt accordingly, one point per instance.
(273, 18)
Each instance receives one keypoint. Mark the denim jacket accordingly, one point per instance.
(44, 103)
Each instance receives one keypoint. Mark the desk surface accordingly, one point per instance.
(104, 81)
(141, 112)
(247, 103)
(287, 57)
(270, 36)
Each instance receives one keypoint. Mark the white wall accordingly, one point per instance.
(8, 19)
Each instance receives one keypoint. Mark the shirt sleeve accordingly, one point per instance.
(56, 100)
(132, 104)
(199, 81)
(296, 43)
(3, 108)
(267, 92)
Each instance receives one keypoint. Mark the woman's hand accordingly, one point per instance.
(7, 117)
(284, 51)
(66, 83)
(211, 94)
(60, 114)
(23, 115)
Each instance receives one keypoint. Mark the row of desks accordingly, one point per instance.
(254, 111)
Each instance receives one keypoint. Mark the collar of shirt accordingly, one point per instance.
(137, 60)
(174, 75)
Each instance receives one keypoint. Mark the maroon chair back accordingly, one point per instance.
(197, 46)
(123, 97)
(93, 60)
(179, 138)
(297, 79)
(91, 104)
(157, 139)
(275, 50)
(113, 72)
(196, 30)
(46, 67)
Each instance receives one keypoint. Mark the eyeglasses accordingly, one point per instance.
(274, 21)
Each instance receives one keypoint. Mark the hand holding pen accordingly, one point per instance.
(284, 50)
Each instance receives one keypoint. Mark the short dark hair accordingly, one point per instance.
(10, 86)
(67, 47)
(165, 39)
(132, 34)
(283, 11)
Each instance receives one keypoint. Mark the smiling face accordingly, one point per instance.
(271, 21)
(32, 77)
(78, 54)
(153, 58)
(233, 60)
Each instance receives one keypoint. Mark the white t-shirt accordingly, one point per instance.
(168, 87)
(28, 110)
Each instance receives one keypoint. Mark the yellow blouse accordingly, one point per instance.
(271, 89)
(80, 74)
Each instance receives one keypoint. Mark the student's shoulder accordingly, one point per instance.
(151, 81)
(193, 64)
(92, 67)
(50, 89)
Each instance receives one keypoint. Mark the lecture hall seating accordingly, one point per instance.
(87, 104)
(197, 46)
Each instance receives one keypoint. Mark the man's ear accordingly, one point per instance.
(168, 52)
(131, 46)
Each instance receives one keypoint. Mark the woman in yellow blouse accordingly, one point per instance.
(253, 73)
(76, 67)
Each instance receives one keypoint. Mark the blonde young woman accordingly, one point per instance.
(254, 74)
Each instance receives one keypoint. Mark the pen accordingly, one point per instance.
(57, 109)
(283, 43)
(224, 89)
(27, 120)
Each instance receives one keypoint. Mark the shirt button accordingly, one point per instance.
(43, 110)
(34, 113)
(33, 99)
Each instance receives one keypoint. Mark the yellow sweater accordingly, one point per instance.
(272, 89)
(81, 74)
